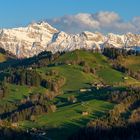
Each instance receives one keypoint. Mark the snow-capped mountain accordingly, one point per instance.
(37, 37)
(27, 41)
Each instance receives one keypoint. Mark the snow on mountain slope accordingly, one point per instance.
(37, 37)
(27, 41)
(65, 42)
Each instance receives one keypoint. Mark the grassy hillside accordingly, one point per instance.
(75, 77)
(104, 71)
(93, 59)
(18, 92)
(131, 62)
(70, 67)
(68, 119)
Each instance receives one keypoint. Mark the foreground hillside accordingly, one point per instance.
(54, 96)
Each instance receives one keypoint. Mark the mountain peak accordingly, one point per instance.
(42, 25)
(37, 37)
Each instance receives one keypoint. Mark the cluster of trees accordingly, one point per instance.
(117, 55)
(12, 134)
(135, 116)
(134, 74)
(131, 132)
(7, 107)
(127, 101)
(120, 123)
(118, 66)
(30, 112)
(24, 77)
(117, 117)
(33, 78)
(43, 59)
(3, 91)
(46, 58)
(72, 99)
(87, 68)
(121, 111)
(34, 104)
(84, 64)
(54, 84)
(117, 96)
(113, 53)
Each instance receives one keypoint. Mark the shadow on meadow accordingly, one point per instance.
(64, 131)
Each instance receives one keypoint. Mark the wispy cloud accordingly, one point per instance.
(102, 21)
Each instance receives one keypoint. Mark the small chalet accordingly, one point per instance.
(85, 113)
(85, 90)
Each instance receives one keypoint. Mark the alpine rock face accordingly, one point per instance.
(37, 37)
(27, 41)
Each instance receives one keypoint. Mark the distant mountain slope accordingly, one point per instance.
(27, 41)
(37, 37)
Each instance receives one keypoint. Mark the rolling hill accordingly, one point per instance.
(57, 93)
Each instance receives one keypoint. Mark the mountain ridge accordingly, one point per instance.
(37, 37)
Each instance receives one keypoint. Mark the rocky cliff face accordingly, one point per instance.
(37, 37)
(27, 41)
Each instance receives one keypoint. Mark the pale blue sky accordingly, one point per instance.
(15, 13)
